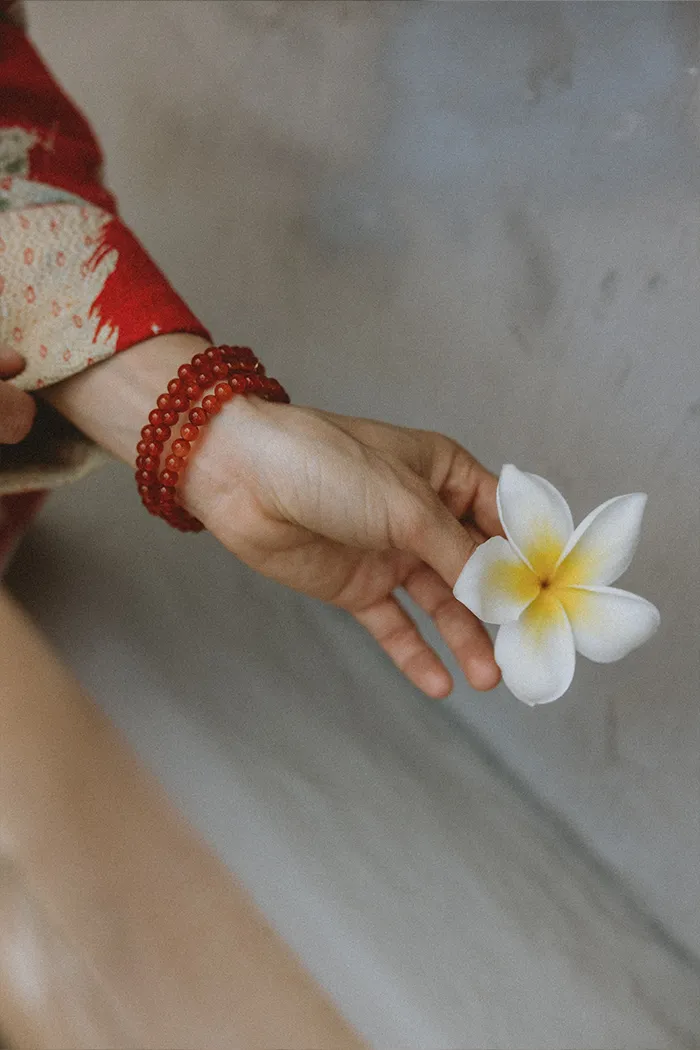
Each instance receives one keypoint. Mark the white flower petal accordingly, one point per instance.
(535, 516)
(608, 623)
(536, 654)
(603, 545)
(495, 583)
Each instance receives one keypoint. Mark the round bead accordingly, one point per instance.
(199, 362)
(192, 391)
(145, 477)
(147, 433)
(223, 392)
(181, 446)
(189, 432)
(151, 462)
(175, 386)
(204, 379)
(237, 384)
(141, 448)
(163, 401)
(170, 417)
(166, 494)
(155, 418)
(175, 462)
(180, 403)
(144, 490)
(140, 462)
(169, 477)
(210, 405)
(163, 433)
(186, 372)
(220, 370)
(154, 448)
(197, 416)
(214, 354)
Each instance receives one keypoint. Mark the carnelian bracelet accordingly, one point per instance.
(229, 370)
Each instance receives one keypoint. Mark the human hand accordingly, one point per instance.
(348, 510)
(17, 408)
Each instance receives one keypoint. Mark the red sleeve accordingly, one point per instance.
(46, 144)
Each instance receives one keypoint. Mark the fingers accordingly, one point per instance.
(466, 487)
(462, 631)
(423, 525)
(399, 637)
(11, 363)
(17, 411)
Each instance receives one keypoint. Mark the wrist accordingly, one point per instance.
(110, 402)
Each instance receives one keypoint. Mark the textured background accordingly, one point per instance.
(478, 218)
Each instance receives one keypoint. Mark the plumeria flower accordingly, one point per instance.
(547, 585)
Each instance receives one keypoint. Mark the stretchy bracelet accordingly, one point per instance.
(228, 370)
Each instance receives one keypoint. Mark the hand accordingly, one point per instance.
(17, 408)
(348, 510)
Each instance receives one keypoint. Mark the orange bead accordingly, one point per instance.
(189, 431)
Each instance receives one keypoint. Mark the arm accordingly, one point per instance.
(347, 510)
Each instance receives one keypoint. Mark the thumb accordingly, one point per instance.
(430, 531)
(17, 411)
(11, 363)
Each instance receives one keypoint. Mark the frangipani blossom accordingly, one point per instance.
(547, 585)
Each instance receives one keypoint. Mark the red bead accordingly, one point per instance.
(163, 401)
(175, 462)
(140, 463)
(260, 368)
(237, 384)
(163, 433)
(155, 417)
(150, 462)
(193, 392)
(166, 494)
(186, 373)
(252, 383)
(180, 403)
(154, 448)
(141, 448)
(220, 371)
(223, 392)
(145, 477)
(170, 417)
(214, 354)
(205, 379)
(189, 432)
(147, 433)
(199, 362)
(181, 447)
(210, 405)
(197, 416)
(175, 386)
(144, 491)
(169, 477)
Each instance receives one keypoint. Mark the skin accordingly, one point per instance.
(17, 409)
(344, 509)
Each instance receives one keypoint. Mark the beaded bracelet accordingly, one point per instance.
(229, 370)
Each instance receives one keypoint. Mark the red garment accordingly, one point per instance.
(75, 284)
